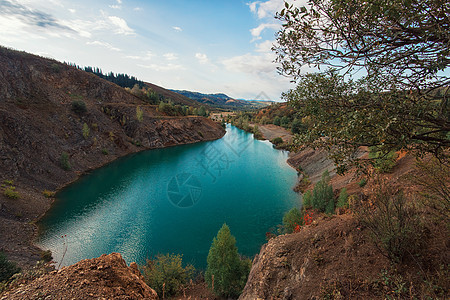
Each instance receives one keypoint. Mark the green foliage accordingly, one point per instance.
(79, 107)
(395, 225)
(202, 111)
(9, 182)
(322, 196)
(383, 163)
(166, 274)
(139, 114)
(363, 182)
(343, 199)
(11, 192)
(105, 151)
(277, 121)
(291, 219)
(284, 122)
(297, 126)
(399, 102)
(307, 199)
(226, 273)
(7, 268)
(86, 130)
(64, 161)
(277, 141)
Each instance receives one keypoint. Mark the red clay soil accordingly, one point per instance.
(105, 277)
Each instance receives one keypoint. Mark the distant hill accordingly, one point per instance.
(223, 101)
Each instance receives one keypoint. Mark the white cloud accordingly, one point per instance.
(256, 32)
(162, 68)
(72, 10)
(105, 45)
(121, 26)
(137, 9)
(249, 63)
(147, 56)
(170, 56)
(176, 28)
(202, 58)
(115, 6)
(119, 1)
(264, 47)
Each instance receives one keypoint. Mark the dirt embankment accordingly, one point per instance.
(105, 277)
(45, 143)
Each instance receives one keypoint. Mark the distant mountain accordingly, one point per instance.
(223, 101)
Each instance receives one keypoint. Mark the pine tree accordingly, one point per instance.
(226, 273)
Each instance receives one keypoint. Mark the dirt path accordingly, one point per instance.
(271, 131)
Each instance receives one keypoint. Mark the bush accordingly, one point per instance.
(166, 274)
(343, 199)
(394, 225)
(86, 130)
(48, 194)
(277, 121)
(291, 220)
(362, 183)
(79, 107)
(7, 268)
(64, 160)
(226, 274)
(139, 114)
(105, 151)
(11, 193)
(307, 198)
(277, 141)
(322, 195)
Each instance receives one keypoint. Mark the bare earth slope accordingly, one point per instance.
(105, 277)
(38, 125)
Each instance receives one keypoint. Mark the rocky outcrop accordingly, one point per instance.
(105, 277)
(308, 264)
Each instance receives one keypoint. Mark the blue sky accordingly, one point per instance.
(206, 46)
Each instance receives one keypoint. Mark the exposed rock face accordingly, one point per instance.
(38, 125)
(302, 265)
(105, 277)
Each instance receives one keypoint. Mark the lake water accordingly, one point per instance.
(173, 200)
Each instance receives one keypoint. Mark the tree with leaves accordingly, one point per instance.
(226, 273)
(399, 50)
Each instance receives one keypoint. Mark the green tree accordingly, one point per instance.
(277, 121)
(166, 273)
(322, 195)
(139, 114)
(307, 199)
(399, 48)
(284, 121)
(226, 273)
(298, 126)
(343, 199)
(291, 219)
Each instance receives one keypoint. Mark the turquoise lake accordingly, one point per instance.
(173, 200)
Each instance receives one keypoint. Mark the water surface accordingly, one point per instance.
(173, 200)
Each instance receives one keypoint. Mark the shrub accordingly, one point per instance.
(139, 114)
(105, 151)
(11, 193)
(46, 256)
(86, 130)
(362, 183)
(48, 194)
(226, 274)
(343, 199)
(64, 160)
(434, 179)
(7, 268)
(79, 107)
(166, 274)
(307, 198)
(291, 220)
(394, 225)
(322, 195)
(277, 141)
(277, 121)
